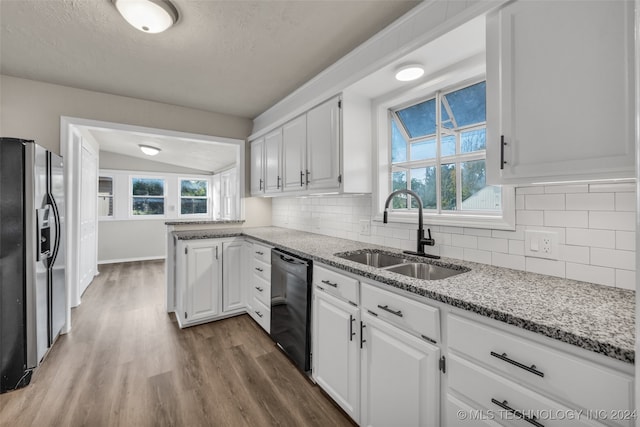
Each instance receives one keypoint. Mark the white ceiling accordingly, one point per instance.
(233, 57)
(201, 155)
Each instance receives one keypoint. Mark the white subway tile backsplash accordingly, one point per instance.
(626, 279)
(493, 244)
(590, 273)
(474, 255)
(545, 202)
(626, 202)
(464, 241)
(530, 217)
(614, 258)
(624, 221)
(595, 225)
(591, 201)
(516, 262)
(577, 188)
(620, 187)
(591, 237)
(545, 266)
(626, 240)
(566, 219)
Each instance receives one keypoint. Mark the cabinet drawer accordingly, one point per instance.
(262, 269)
(336, 284)
(459, 414)
(260, 313)
(502, 397)
(261, 290)
(262, 253)
(576, 381)
(406, 313)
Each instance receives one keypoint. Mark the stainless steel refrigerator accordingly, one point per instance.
(32, 258)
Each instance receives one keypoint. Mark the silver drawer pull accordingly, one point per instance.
(259, 314)
(505, 405)
(260, 253)
(259, 288)
(259, 269)
(326, 282)
(387, 309)
(505, 358)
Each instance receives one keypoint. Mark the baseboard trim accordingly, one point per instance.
(148, 258)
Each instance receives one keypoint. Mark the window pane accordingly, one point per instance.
(473, 140)
(446, 120)
(420, 119)
(475, 195)
(423, 182)
(399, 182)
(148, 205)
(148, 187)
(468, 105)
(398, 144)
(193, 187)
(448, 186)
(448, 143)
(105, 196)
(193, 206)
(423, 150)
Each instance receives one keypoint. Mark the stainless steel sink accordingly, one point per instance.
(374, 259)
(425, 271)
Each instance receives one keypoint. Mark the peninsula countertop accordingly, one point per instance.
(595, 317)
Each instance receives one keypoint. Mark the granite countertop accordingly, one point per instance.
(196, 222)
(597, 318)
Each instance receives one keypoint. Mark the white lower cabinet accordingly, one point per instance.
(235, 277)
(259, 285)
(400, 377)
(336, 350)
(199, 279)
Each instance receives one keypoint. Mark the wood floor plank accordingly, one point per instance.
(126, 363)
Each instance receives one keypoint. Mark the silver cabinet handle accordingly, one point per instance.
(259, 269)
(259, 288)
(387, 309)
(259, 314)
(505, 358)
(326, 282)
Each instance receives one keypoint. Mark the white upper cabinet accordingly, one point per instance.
(257, 167)
(323, 146)
(272, 162)
(560, 91)
(294, 149)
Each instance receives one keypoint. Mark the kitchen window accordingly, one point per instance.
(194, 197)
(436, 146)
(147, 196)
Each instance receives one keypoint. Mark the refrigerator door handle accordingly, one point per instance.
(56, 215)
(43, 232)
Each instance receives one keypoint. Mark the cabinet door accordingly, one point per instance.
(234, 287)
(560, 91)
(203, 279)
(400, 377)
(257, 167)
(336, 350)
(294, 143)
(273, 165)
(323, 146)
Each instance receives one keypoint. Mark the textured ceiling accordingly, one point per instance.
(234, 57)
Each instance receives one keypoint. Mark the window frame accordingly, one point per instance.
(208, 198)
(131, 196)
(446, 81)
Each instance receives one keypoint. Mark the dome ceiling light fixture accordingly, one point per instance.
(149, 16)
(409, 72)
(149, 150)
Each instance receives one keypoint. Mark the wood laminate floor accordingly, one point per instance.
(126, 363)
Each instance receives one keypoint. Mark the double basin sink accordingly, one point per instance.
(401, 265)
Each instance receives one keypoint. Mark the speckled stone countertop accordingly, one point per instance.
(597, 318)
(220, 221)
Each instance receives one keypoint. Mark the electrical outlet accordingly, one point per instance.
(365, 227)
(541, 244)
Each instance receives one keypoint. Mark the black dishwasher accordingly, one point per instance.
(291, 306)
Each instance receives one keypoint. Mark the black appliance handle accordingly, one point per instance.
(289, 259)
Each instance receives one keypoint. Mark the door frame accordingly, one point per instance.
(70, 149)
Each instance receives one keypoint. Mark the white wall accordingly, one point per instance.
(595, 224)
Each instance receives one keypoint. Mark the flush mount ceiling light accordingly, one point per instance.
(149, 16)
(408, 72)
(149, 150)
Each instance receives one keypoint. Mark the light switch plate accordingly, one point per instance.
(541, 244)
